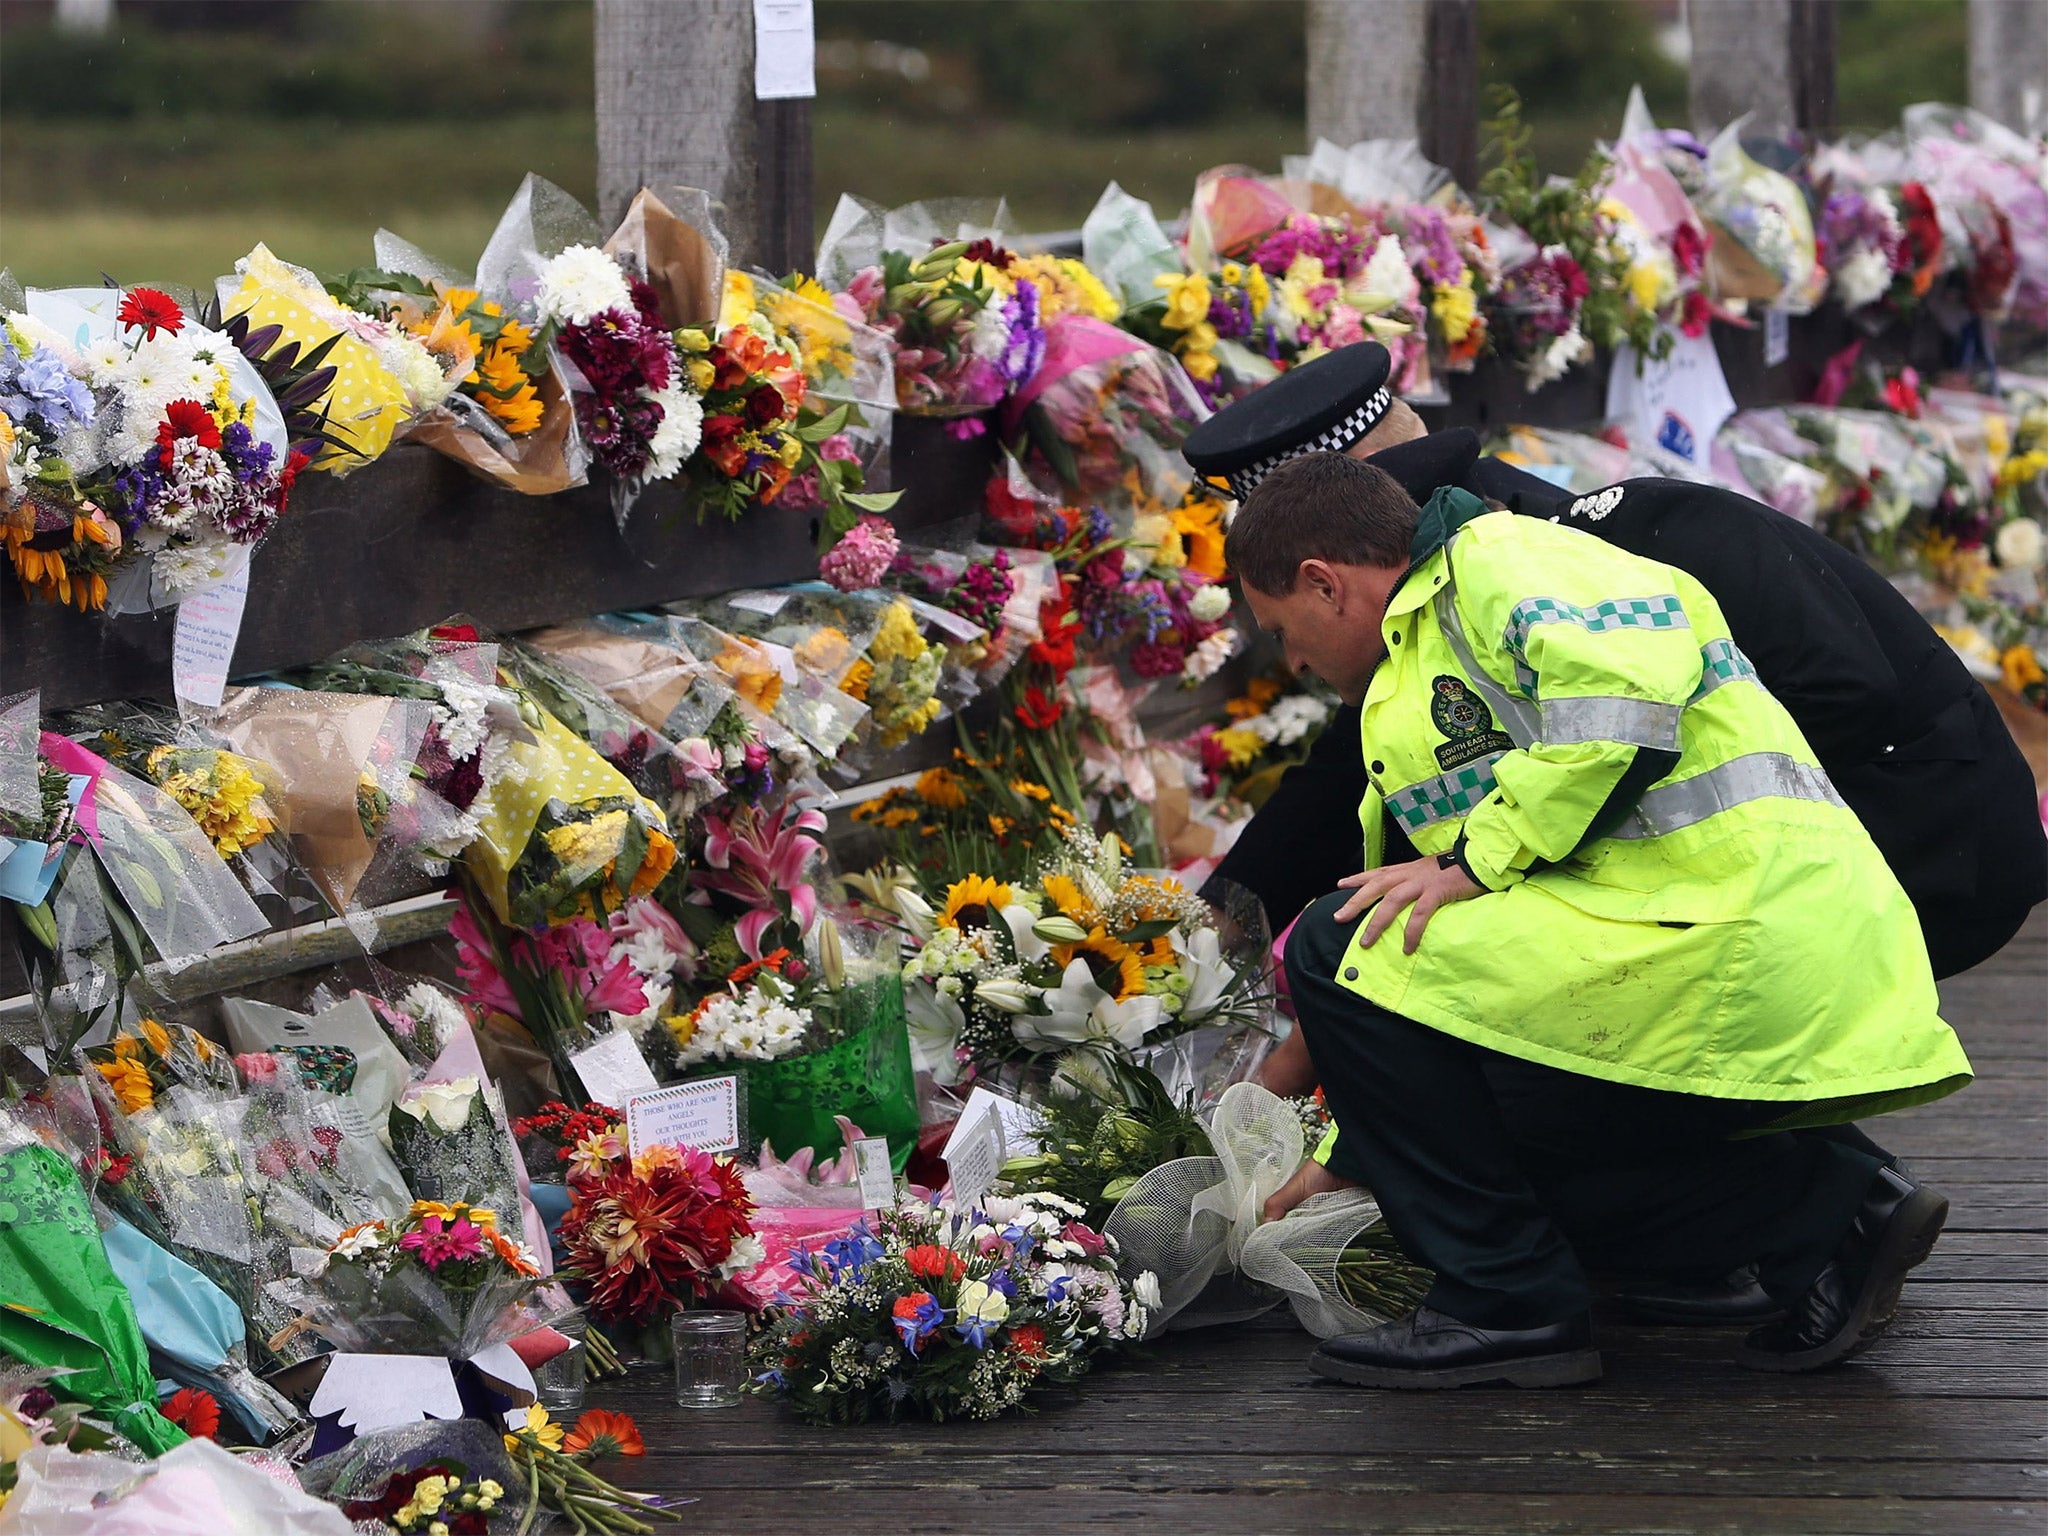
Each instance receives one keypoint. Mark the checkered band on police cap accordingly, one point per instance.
(1332, 439)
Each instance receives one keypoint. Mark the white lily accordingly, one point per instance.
(917, 912)
(1079, 1010)
(1208, 973)
(1006, 993)
(935, 1025)
(1019, 920)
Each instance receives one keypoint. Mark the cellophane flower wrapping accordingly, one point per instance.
(767, 676)
(65, 1306)
(198, 1489)
(452, 1141)
(363, 1470)
(932, 1313)
(443, 1279)
(1197, 1223)
(1987, 186)
(1103, 419)
(1763, 244)
(186, 448)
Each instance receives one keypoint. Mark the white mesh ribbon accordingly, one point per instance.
(1194, 1223)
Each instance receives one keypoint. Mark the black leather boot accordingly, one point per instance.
(1852, 1301)
(1734, 1299)
(1427, 1350)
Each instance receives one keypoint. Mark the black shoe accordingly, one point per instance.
(1427, 1350)
(1852, 1301)
(1734, 1298)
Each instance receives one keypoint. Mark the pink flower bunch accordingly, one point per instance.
(759, 859)
(579, 953)
(862, 557)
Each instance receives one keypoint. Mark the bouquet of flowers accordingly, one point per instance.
(1089, 951)
(652, 1235)
(450, 1135)
(967, 330)
(1763, 240)
(1102, 420)
(1270, 727)
(548, 1137)
(819, 1039)
(185, 447)
(984, 811)
(440, 1280)
(63, 546)
(942, 1314)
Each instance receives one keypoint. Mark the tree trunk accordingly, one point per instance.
(2009, 62)
(1367, 64)
(1741, 62)
(675, 107)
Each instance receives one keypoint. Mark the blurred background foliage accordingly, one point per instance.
(166, 146)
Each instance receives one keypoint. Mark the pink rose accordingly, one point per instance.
(257, 1066)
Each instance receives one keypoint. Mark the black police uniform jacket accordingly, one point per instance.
(1911, 740)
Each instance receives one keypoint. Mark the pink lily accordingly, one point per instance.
(760, 858)
(482, 983)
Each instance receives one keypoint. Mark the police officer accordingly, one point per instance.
(1644, 940)
(1909, 738)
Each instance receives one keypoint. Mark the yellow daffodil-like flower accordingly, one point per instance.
(1029, 790)
(133, 1090)
(1455, 307)
(589, 845)
(974, 902)
(942, 789)
(1187, 299)
(537, 1427)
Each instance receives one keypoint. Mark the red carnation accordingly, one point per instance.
(150, 311)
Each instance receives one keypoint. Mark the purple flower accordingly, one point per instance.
(917, 1317)
(38, 385)
(1432, 247)
(1026, 347)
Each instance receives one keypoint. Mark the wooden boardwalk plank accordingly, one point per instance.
(1941, 1428)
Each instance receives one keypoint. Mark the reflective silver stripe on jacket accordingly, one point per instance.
(1755, 776)
(1516, 716)
(1636, 722)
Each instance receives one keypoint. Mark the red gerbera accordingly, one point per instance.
(150, 311)
(194, 1412)
(182, 419)
(604, 1433)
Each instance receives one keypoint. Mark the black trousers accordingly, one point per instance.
(1511, 1179)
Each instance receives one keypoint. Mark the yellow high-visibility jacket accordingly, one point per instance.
(1676, 897)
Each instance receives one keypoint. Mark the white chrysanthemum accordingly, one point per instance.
(2019, 544)
(434, 1009)
(647, 954)
(463, 715)
(1205, 658)
(580, 283)
(183, 567)
(1863, 278)
(1555, 360)
(990, 338)
(425, 385)
(1388, 273)
(1211, 603)
(681, 430)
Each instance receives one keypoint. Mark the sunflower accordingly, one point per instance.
(604, 1433)
(158, 1037)
(1116, 966)
(130, 1081)
(974, 902)
(1066, 897)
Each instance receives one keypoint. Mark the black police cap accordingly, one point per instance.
(1323, 406)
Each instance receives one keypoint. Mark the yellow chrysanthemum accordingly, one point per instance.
(898, 638)
(129, 1079)
(1239, 745)
(589, 845)
(974, 902)
(1456, 307)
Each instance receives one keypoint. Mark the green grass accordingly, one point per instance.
(178, 201)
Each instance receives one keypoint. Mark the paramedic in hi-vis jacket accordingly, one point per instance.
(1642, 943)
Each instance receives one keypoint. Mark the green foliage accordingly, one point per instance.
(1892, 53)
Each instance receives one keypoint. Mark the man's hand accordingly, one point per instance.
(1311, 1178)
(1425, 885)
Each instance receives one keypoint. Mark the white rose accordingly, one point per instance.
(2019, 544)
(445, 1104)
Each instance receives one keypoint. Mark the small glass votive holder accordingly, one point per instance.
(711, 1358)
(558, 1383)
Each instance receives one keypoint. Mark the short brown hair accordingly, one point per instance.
(1320, 506)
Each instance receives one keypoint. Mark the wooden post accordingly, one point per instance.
(1811, 50)
(675, 107)
(2009, 62)
(784, 135)
(1397, 69)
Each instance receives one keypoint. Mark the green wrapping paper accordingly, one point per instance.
(867, 1077)
(61, 1305)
